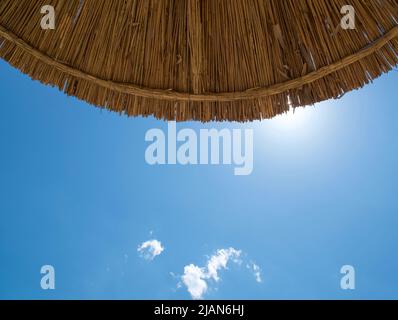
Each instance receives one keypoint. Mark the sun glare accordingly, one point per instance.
(295, 119)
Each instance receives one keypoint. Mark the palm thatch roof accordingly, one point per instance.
(234, 60)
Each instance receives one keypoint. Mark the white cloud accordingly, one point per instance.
(256, 271)
(196, 278)
(150, 249)
(220, 261)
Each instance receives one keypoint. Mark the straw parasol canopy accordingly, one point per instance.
(206, 60)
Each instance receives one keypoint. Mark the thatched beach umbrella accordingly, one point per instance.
(201, 59)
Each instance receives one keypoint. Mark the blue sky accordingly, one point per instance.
(76, 193)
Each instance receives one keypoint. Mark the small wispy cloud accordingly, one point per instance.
(220, 261)
(149, 250)
(256, 270)
(196, 278)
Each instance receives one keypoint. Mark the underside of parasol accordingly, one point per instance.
(205, 60)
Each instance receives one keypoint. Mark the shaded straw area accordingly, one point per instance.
(205, 60)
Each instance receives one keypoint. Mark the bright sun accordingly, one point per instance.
(293, 120)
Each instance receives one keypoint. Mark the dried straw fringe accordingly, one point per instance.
(236, 60)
